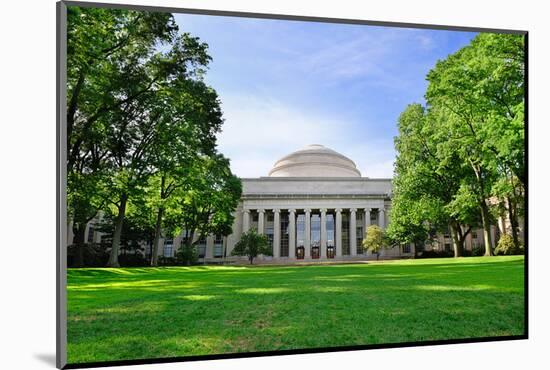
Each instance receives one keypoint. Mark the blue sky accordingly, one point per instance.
(286, 84)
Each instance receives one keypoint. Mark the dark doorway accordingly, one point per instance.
(330, 252)
(314, 252)
(300, 253)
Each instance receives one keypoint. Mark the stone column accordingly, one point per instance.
(323, 233)
(353, 232)
(261, 229)
(382, 218)
(338, 239)
(234, 237)
(307, 239)
(367, 218)
(292, 233)
(209, 246)
(276, 233)
(246, 220)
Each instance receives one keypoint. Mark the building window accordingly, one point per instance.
(447, 247)
(269, 229)
(474, 234)
(374, 218)
(315, 234)
(201, 247)
(168, 247)
(91, 231)
(345, 234)
(360, 239)
(254, 220)
(406, 248)
(269, 235)
(218, 246)
(300, 230)
(330, 230)
(284, 235)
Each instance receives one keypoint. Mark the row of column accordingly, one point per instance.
(307, 241)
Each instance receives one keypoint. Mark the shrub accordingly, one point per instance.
(375, 240)
(93, 255)
(132, 260)
(187, 255)
(476, 251)
(435, 254)
(506, 246)
(167, 261)
(252, 245)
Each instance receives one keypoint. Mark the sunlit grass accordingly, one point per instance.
(134, 313)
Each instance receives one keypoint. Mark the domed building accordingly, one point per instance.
(315, 161)
(313, 205)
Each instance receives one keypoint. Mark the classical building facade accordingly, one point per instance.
(314, 205)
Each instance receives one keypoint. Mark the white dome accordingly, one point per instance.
(315, 161)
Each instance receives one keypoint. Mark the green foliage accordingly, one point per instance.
(375, 240)
(92, 255)
(466, 146)
(139, 116)
(136, 229)
(506, 245)
(426, 181)
(251, 245)
(204, 204)
(187, 255)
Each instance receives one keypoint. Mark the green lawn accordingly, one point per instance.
(134, 313)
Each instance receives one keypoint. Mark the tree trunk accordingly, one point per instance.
(512, 215)
(251, 259)
(485, 220)
(115, 246)
(79, 231)
(156, 240)
(486, 227)
(458, 243)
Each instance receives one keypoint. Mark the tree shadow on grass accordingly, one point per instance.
(283, 319)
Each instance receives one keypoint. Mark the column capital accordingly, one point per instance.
(276, 210)
(368, 209)
(292, 210)
(338, 210)
(323, 210)
(261, 210)
(307, 210)
(246, 211)
(353, 210)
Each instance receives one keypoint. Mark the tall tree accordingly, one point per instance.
(375, 240)
(132, 78)
(189, 122)
(426, 182)
(480, 90)
(97, 41)
(205, 205)
(252, 245)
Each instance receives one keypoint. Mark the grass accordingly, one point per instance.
(136, 313)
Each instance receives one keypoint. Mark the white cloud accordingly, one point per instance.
(365, 55)
(258, 131)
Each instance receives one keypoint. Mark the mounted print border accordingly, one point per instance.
(316, 217)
